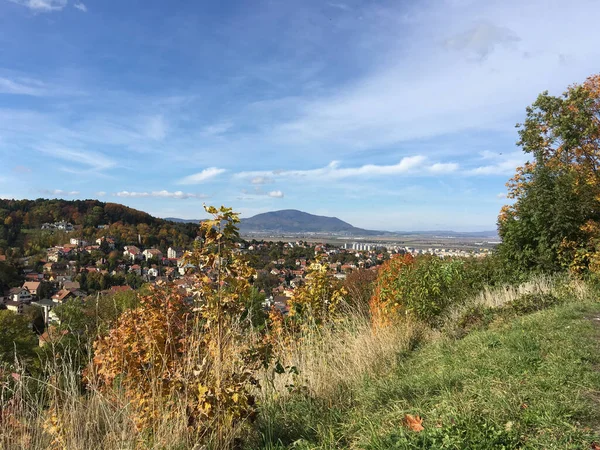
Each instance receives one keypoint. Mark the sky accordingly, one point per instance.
(391, 115)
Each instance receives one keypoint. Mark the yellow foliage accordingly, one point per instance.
(318, 300)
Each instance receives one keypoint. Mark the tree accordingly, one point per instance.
(266, 281)
(35, 316)
(318, 300)
(45, 290)
(555, 219)
(16, 338)
(170, 350)
(9, 276)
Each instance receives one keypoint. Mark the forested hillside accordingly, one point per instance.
(21, 222)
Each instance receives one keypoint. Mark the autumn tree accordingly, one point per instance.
(197, 348)
(554, 220)
(225, 296)
(319, 299)
(423, 288)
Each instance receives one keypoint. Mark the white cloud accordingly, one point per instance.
(155, 128)
(426, 83)
(203, 176)
(341, 6)
(59, 192)
(482, 39)
(22, 86)
(260, 180)
(216, 129)
(443, 168)
(257, 192)
(80, 7)
(501, 195)
(100, 194)
(159, 194)
(499, 164)
(92, 160)
(334, 171)
(42, 5)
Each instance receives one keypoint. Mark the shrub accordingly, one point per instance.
(528, 303)
(423, 288)
(318, 300)
(360, 285)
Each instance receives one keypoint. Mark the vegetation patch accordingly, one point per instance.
(531, 384)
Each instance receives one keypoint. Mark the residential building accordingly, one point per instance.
(150, 253)
(20, 294)
(66, 294)
(174, 253)
(133, 253)
(32, 287)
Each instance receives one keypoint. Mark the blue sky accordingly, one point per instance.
(391, 115)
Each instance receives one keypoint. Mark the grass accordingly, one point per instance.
(499, 374)
(524, 382)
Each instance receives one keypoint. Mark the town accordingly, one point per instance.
(81, 267)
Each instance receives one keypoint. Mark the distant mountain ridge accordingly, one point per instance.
(294, 221)
(450, 233)
(177, 220)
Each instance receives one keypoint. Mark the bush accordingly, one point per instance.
(528, 303)
(476, 317)
(423, 288)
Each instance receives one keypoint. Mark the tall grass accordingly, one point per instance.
(338, 354)
(324, 366)
(65, 410)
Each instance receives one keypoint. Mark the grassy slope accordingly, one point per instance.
(528, 382)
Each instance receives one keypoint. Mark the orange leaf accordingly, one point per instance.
(413, 423)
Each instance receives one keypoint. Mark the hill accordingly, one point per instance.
(21, 221)
(294, 221)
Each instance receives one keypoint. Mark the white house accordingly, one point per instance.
(21, 295)
(133, 253)
(174, 253)
(150, 253)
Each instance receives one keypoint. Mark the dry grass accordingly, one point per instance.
(499, 296)
(332, 357)
(561, 286)
(331, 361)
(59, 412)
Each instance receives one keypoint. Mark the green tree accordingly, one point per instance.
(16, 338)
(9, 276)
(35, 316)
(45, 290)
(557, 193)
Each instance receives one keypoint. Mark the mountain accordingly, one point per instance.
(294, 221)
(177, 220)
